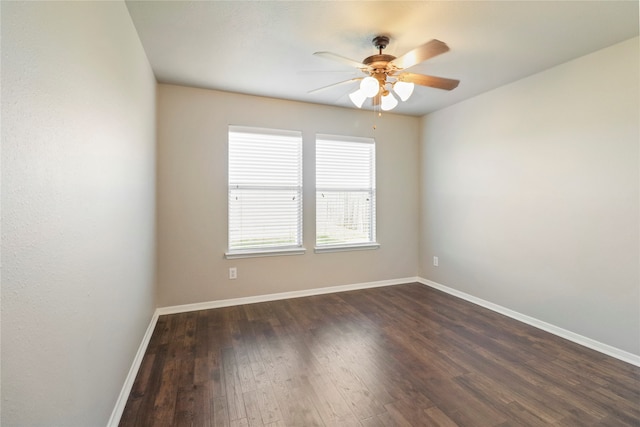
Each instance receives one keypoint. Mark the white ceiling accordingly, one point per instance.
(265, 47)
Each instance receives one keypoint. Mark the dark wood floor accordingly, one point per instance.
(402, 355)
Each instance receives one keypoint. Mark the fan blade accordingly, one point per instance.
(342, 59)
(431, 81)
(335, 84)
(421, 53)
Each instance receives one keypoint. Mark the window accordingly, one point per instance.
(265, 192)
(345, 193)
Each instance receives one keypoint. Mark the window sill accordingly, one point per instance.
(265, 252)
(344, 248)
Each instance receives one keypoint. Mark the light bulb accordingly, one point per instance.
(388, 102)
(358, 98)
(369, 87)
(403, 89)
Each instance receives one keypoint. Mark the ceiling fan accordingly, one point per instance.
(385, 72)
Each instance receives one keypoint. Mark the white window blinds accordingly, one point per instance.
(345, 191)
(265, 189)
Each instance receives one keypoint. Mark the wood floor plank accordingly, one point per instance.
(437, 418)
(219, 412)
(164, 404)
(243, 422)
(252, 410)
(374, 421)
(402, 355)
(268, 405)
(235, 398)
(296, 402)
(393, 417)
(185, 407)
(333, 409)
(141, 387)
(361, 401)
(203, 415)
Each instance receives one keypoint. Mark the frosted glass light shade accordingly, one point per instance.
(357, 98)
(388, 102)
(369, 86)
(403, 89)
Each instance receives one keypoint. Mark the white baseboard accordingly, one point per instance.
(282, 295)
(114, 420)
(563, 333)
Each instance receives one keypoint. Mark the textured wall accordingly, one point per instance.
(192, 197)
(78, 195)
(530, 196)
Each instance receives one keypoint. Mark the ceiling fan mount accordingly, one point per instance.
(380, 42)
(383, 70)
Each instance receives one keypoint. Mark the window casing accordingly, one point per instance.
(345, 193)
(265, 192)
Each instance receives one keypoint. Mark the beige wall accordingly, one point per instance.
(529, 196)
(192, 198)
(78, 199)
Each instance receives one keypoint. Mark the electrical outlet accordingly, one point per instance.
(233, 273)
(435, 261)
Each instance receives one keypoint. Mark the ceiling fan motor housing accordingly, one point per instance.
(378, 61)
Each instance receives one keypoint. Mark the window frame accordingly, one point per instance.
(295, 249)
(372, 243)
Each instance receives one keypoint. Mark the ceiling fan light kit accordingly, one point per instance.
(358, 97)
(403, 89)
(388, 102)
(369, 87)
(387, 70)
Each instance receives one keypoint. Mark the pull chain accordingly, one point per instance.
(378, 112)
